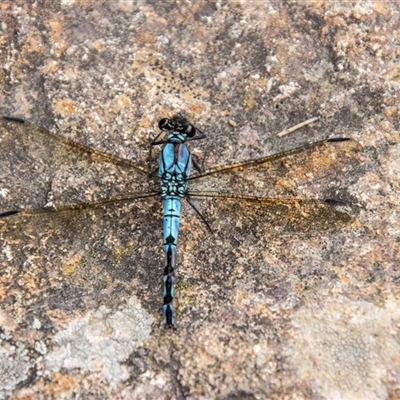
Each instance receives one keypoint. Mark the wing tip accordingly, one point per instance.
(336, 202)
(13, 119)
(333, 140)
(8, 213)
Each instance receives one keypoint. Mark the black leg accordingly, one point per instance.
(199, 214)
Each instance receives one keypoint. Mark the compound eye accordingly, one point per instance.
(189, 130)
(165, 124)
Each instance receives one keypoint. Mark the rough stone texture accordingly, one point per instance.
(261, 312)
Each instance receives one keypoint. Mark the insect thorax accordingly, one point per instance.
(174, 169)
(173, 184)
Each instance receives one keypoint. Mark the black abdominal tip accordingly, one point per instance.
(14, 119)
(339, 139)
(335, 202)
(169, 318)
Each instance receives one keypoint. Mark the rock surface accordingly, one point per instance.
(262, 312)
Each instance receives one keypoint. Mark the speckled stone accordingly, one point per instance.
(262, 312)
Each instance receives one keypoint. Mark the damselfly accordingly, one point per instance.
(251, 185)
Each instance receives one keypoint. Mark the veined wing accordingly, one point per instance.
(300, 172)
(73, 258)
(39, 167)
(230, 211)
(287, 191)
(78, 251)
(21, 127)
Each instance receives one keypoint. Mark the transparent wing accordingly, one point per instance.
(284, 192)
(316, 170)
(58, 262)
(268, 217)
(79, 256)
(228, 211)
(39, 167)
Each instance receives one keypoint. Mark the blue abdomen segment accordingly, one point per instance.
(174, 170)
(172, 212)
(172, 209)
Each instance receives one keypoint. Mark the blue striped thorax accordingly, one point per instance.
(173, 184)
(176, 137)
(174, 168)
